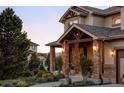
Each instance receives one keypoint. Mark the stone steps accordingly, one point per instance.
(79, 78)
(73, 78)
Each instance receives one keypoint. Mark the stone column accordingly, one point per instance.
(96, 59)
(76, 58)
(52, 58)
(65, 55)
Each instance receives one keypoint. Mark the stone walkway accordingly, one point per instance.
(50, 84)
(74, 78)
(110, 85)
(55, 84)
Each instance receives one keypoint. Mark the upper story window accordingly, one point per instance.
(116, 21)
(34, 48)
(72, 22)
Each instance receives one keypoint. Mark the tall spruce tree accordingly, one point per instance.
(14, 45)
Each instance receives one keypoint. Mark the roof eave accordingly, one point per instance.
(74, 25)
(115, 37)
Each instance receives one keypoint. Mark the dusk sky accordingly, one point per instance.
(41, 23)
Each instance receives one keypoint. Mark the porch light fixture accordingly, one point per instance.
(112, 52)
(95, 48)
(78, 35)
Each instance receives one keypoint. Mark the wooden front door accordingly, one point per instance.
(120, 66)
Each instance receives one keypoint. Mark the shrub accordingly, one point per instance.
(22, 84)
(58, 76)
(35, 71)
(59, 63)
(86, 66)
(26, 74)
(48, 75)
(28, 79)
(39, 74)
(8, 83)
(34, 62)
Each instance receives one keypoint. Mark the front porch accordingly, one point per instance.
(75, 43)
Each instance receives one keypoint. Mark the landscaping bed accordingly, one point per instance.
(41, 77)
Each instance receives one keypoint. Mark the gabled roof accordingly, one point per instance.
(84, 10)
(33, 43)
(96, 32)
(104, 32)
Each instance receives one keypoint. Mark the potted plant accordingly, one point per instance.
(86, 67)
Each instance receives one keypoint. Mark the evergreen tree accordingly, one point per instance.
(34, 62)
(47, 63)
(14, 45)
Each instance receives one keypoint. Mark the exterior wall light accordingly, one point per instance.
(112, 52)
(95, 48)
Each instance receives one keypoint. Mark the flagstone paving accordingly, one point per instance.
(50, 84)
(110, 85)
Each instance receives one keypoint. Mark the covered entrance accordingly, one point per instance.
(76, 50)
(76, 42)
(120, 66)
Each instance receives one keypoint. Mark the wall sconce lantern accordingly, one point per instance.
(112, 52)
(95, 48)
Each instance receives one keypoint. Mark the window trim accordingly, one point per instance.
(114, 19)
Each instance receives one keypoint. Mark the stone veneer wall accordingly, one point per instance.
(96, 60)
(65, 55)
(110, 72)
(76, 58)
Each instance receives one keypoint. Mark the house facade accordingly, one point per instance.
(42, 56)
(32, 49)
(97, 34)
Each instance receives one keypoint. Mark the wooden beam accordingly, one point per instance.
(80, 40)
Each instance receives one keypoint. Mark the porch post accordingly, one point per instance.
(52, 58)
(65, 55)
(96, 59)
(76, 58)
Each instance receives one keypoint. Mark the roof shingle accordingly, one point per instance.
(103, 32)
(103, 12)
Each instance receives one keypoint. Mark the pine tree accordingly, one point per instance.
(34, 62)
(14, 45)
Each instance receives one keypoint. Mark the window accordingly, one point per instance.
(74, 21)
(116, 21)
(33, 47)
